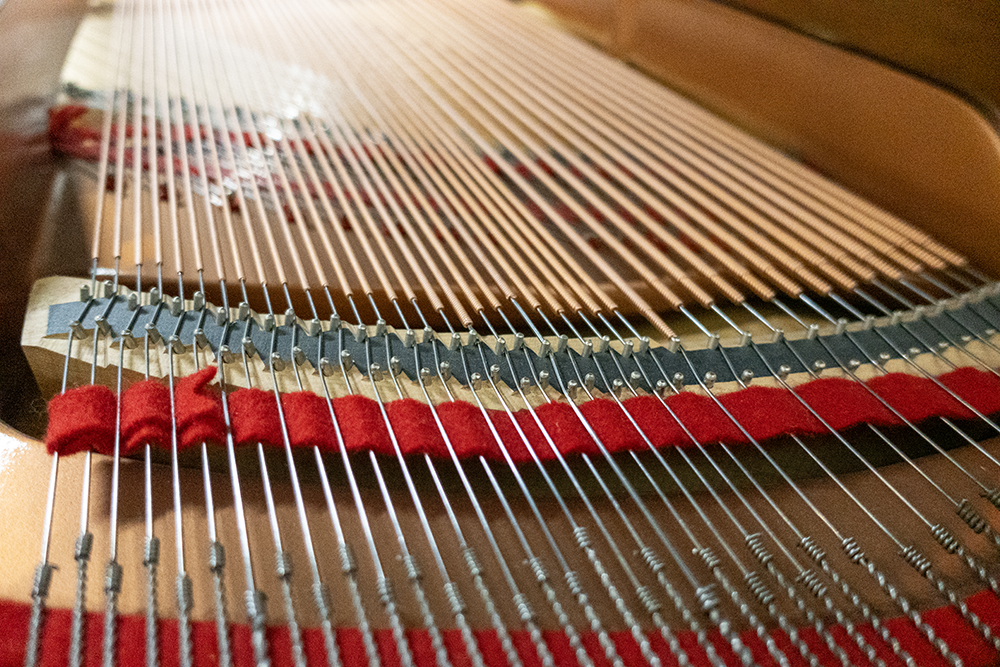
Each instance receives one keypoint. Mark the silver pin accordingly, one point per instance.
(176, 306)
(678, 381)
(102, 324)
(314, 327)
(884, 357)
(298, 356)
(854, 364)
(617, 385)
(269, 322)
(709, 379)
(914, 351)
(495, 372)
(200, 339)
(543, 380)
(896, 317)
(571, 389)
(627, 348)
(335, 323)
(154, 297)
(477, 381)
(746, 376)
(277, 362)
(425, 376)
(604, 344)
(85, 292)
(473, 338)
(455, 342)
(561, 343)
(784, 370)
(108, 289)
(361, 333)
(221, 316)
(635, 377)
(226, 355)
(444, 370)
(429, 335)
(674, 344)
(248, 347)
(176, 345)
(346, 360)
(588, 349)
(395, 366)
(518, 342)
(198, 301)
(152, 333)
(544, 349)
(133, 301)
(325, 367)
(409, 338)
(779, 335)
(589, 381)
(500, 347)
(812, 332)
(291, 318)
(818, 366)
(841, 326)
(746, 338)
(713, 341)
(128, 340)
(380, 327)
(525, 384)
(375, 372)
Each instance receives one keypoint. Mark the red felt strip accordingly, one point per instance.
(199, 410)
(253, 414)
(307, 417)
(946, 622)
(82, 419)
(145, 416)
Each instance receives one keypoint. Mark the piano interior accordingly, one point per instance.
(469, 332)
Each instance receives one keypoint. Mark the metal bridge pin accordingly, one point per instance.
(661, 387)
(914, 351)
(428, 335)
(325, 367)
(896, 318)
(617, 385)
(243, 312)
(525, 384)
(784, 370)
(85, 292)
(380, 327)
(221, 317)
(176, 345)
(314, 327)
(133, 301)
(562, 343)
(589, 381)
(425, 376)
(335, 323)
(495, 372)
(779, 335)
(588, 349)
(678, 381)
(361, 333)
(635, 377)
(710, 379)
(277, 362)
(746, 338)
(674, 345)
(518, 342)
(854, 364)
(819, 366)
(198, 300)
(154, 297)
(455, 342)
(248, 347)
(746, 376)
(966, 338)
(200, 339)
(477, 381)
(444, 370)
(102, 324)
(627, 349)
(884, 357)
(290, 317)
(298, 356)
(128, 340)
(943, 345)
(544, 349)
(643, 344)
(713, 341)
(345, 359)
(77, 329)
(109, 289)
(571, 389)
(176, 306)
(604, 344)
(152, 333)
(841, 326)
(375, 372)
(500, 348)
(990, 332)
(395, 366)
(812, 332)
(543, 380)
(473, 337)
(409, 338)
(226, 355)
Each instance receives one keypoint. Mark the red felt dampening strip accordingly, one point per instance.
(84, 418)
(946, 622)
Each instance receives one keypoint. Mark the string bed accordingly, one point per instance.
(429, 264)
